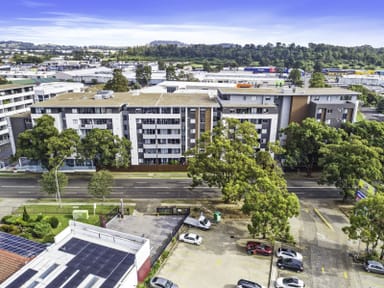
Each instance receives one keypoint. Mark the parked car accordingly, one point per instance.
(160, 282)
(291, 264)
(242, 283)
(288, 282)
(258, 248)
(374, 266)
(288, 253)
(191, 238)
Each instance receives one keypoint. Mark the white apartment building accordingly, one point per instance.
(14, 99)
(45, 91)
(160, 126)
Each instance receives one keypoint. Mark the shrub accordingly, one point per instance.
(41, 229)
(25, 215)
(53, 221)
(49, 238)
(5, 219)
(10, 228)
(39, 218)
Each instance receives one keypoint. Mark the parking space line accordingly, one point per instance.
(345, 275)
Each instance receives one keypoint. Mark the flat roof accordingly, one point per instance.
(12, 86)
(131, 99)
(288, 91)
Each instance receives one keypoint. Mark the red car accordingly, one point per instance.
(258, 248)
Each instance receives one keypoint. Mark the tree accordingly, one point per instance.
(33, 144)
(143, 74)
(348, 161)
(380, 105)
(270, 212)
(105, 149)
(100, 184)
(118, 83)
(170, 73)
(304, 141)
(367, 221)
(295, 77)
(226, 158)
(48, 182)
(371, 131)
(161, 65)
(317, 80)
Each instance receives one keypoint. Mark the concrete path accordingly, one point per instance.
(7, 205)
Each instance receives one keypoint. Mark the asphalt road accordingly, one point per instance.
(150, 189)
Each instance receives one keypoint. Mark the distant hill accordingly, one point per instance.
(167, 42)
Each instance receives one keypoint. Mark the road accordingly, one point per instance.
(149, 188)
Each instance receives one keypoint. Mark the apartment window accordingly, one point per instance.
(346, 97)
(316, 98)
(74, 110)
(75, 121)
(329, 111)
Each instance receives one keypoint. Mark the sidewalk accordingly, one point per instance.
(7, 205)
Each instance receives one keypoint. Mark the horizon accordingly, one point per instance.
(121, 24)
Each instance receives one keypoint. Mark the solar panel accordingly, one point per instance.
(76, 280)
(61, 278)
(20, 245)
(19, 281)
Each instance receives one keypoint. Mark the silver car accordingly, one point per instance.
(288, 253)
(160, 282)
(374, 266)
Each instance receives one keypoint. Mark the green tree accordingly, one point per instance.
(170, 73)
(367, 96)
(143, 74)
(48, 182)
(367, 221)
(295, 77)
(25, 215)
(118, 83)
(161, 65)
(348, 161)
(380, 105)
(105, 149)
(371, 131)
(33, 144)
(225, 159)
(303, 142)
(317, 80)
(100, 184)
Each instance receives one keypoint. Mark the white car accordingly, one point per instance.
(289, 282)
(191, 238)
(288, 253)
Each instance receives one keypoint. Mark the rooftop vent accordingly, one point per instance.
(103, 94)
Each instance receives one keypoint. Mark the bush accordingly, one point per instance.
(53, 221)
(5, 219)
(41, 229)
(39, 218)
(25, 215)
(12, 229)
(49, 238)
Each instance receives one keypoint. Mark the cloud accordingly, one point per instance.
(36, 4)
(76, 29)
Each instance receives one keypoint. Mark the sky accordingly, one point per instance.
(138, 22)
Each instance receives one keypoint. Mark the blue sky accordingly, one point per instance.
(138, 22)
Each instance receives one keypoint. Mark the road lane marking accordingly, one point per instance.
(24, 192)
(322, 269)
(345, 275)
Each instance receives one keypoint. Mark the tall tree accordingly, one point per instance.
(367, 221)
(118, 83)
(100, 184)
(343, 164)
(143, 74)
(295, 77)
(105, 149)
(161, 65)
(317, 80)
(304, 141)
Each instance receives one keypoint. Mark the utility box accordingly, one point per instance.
(217, 216)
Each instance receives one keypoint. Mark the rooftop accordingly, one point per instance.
(132, 99)
(12, 86)
(288, 91)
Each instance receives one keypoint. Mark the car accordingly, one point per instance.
(191, 238)
(288, 282)
(161, 282)
(291, 264)
(242, 283)
(254, 247)
(374, 266)
(288, 253)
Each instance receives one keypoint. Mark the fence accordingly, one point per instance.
(170, 211)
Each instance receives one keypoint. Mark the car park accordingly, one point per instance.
(374, 266)
(161, 282)
(191, 238)
(289, 282)
(242, 283)
(288, 253)
(290, 264)
(254, 247)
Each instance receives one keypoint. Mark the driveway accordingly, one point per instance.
(219, 262)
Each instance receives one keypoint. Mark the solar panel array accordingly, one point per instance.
(94, 259)
(20, 245)
(19, 281)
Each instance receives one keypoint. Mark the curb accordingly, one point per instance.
(323, 219)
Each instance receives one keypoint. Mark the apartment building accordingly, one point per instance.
(273, 109)
(14, 99)
(160, 126)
